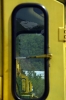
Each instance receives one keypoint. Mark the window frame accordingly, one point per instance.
(46, 50)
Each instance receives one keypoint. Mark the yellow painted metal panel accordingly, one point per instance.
(65, 73)
(56, 20)
(65, 14)
(0, 41)
(64, 46)
(0, 88)
(0, 53)
(61, 34)
(56, 48)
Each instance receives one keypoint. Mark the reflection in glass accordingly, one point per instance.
(29, 20)
(30, 70)
(29, 29)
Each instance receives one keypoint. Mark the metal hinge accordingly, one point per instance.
(62, 34)
(65, 34)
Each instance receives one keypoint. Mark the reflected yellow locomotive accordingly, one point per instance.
(23, 85)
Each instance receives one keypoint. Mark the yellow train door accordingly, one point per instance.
(57, 76)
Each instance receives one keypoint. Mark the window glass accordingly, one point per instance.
(29, 47)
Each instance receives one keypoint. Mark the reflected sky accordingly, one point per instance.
(42, 73)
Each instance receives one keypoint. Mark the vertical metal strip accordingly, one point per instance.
(0, 51)
(64, 56)
(1, 48)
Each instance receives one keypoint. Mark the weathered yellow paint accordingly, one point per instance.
(56, 20)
